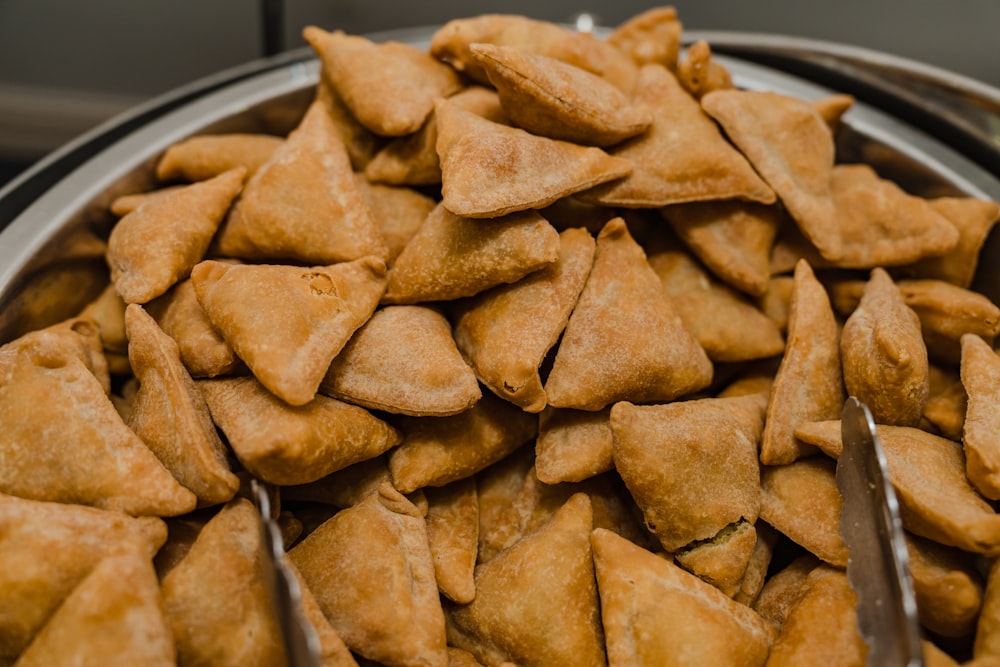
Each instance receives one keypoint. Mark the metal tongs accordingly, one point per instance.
(299, 637)
(878, 567)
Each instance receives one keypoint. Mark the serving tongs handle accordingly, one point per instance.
(878, 565)
(300, 641)
(957, 109)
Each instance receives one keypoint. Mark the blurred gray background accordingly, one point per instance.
(66, 65)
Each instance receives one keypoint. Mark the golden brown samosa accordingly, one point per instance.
(170, 414)
(809, 383)
(489, 169)
(403, 360)
(284, 444)
(506, 332)
(117, 610)
(304, 204)
(216, 598)
(46, 549)
(625, 340)
(536, 602)
(63, 439)
(206, 156)
(691, 466)
(390, 87)
(438, 450)
(883, 354)
(683, 157)
(287, 323)
(370, 569)
(654, 612)
(159, 243)
(451, 256)
(551, 98)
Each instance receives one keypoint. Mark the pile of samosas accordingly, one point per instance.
(541, 342)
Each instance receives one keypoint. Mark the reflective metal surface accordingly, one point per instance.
(878, 567)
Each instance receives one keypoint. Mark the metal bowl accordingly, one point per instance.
(71, 190)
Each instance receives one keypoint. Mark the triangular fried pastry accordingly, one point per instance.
(809, 384)
(360, 143)
(946, 410)
(371, 571)
(810, 482)
(125, 204)
(206, 156)
(726, 324)
(489, 169)
(732, 238)
(551, 98)
(520, 505)
(625, 340)
(451, 43)
(821, 627)
(287, 323)
(946, 313)
(452, 256)
(832, 109)
(390, 87)
(342, 488)
(947, 586)
(754, 378)
(789, 144)
(880, 224)
(549, 572)
(46, 549)
(655, 613)
(78, 338)
(683, 157)
(170, 415)
(437, 451)
(691, 466)
(182, 531)
(981, 434)
(506, 332)
(108, 312)
(777, 301)
(203, 351)
(332, 651)
(398, 212)
(116, 611)
(783, 589)
(284, 444)
(461, 658)
(453, 534)
(216, 598)
(936, 499)
(987, 642)
(802, 501)
(700, 74)
(653, 36)
(158, 244)
(790, 246)
(883, 355)
(721, 560)
(304, 204)
(497, 488)
(973, 218)
(403, 360)
(92, 458)
(759, 565)
(573, 445)
(413, 159)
